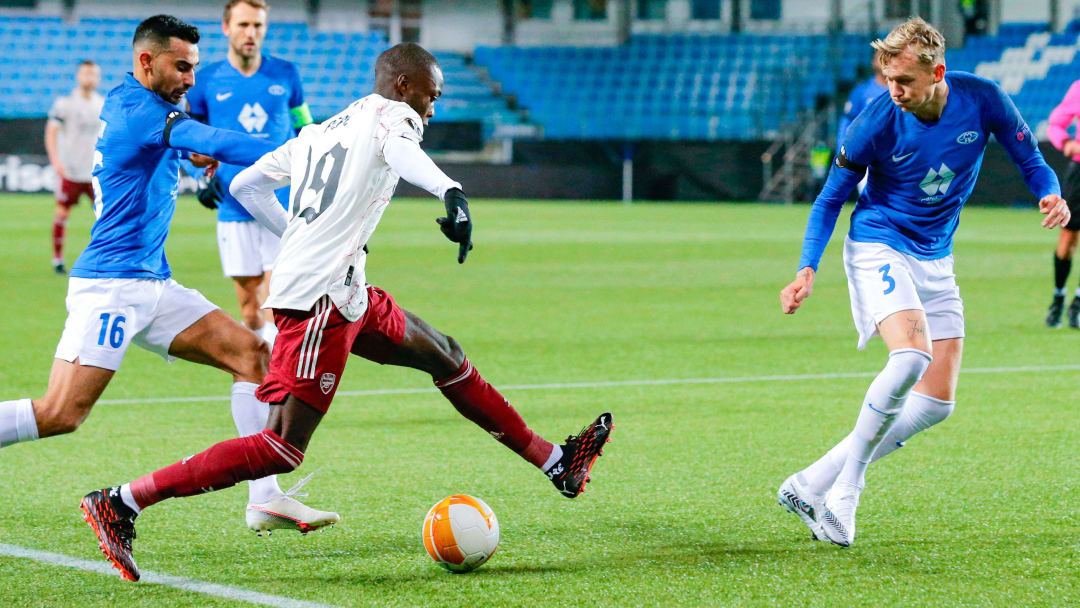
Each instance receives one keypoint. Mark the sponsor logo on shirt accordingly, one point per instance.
(276, 89)
(936, 183)
(897, 159)
(253, 117)
(223, 96)
(967, 137)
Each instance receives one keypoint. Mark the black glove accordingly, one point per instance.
(210, 192)
(457, 225)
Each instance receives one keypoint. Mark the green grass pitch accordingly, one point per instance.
(980, 511)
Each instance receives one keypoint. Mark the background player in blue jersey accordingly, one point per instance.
(923, 145)
(260, 95)
(121, 291)
(860, 97)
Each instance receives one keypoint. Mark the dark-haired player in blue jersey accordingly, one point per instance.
(923, 145)
(121, 291)
(261, 95)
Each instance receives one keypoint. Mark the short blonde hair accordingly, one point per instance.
(926, 42)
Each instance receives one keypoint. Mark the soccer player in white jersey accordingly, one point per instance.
(343, 174)
(923, 145)
(70, 134)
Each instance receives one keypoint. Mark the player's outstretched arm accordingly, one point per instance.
(819, 229)
(255, 191)
(183, 133)
(410, 162)
(1014, 135)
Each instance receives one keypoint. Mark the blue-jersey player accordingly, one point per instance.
(922, 145)
(860, 97)
(121, 289)
(261, 95)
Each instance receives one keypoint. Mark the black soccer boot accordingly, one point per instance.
(571, 472)
(1053, 314)
(114, 524)
(1073, 313)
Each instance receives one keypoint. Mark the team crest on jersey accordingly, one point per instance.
(967, 137)
(276, 89)
(326, 382)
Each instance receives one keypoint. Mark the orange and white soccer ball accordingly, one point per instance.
(461, 532)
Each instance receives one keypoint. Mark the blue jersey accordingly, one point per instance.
(136, 179)
(860, 97)
(268, 104)
(921, 173)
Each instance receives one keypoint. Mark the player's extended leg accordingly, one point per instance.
(73, 389)
(218, 340)
(1063, 255)
(269, 329)
(247, 296)
(930, 402)
(426, 349)
(59, 230)
(905, 334)
(279, 448)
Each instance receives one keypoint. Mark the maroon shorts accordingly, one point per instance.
(68, 192)
(311, 347)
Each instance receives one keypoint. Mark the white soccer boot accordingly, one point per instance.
(286, 513)
(838, 522)
(797, 499)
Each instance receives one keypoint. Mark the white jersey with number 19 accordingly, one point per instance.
(341, 184)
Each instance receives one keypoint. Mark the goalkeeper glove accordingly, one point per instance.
(457, 225)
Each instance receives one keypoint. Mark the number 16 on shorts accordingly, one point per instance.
(112, 330)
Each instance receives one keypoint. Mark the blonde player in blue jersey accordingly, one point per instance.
(121, 291)
(261, 95)
(923, 145)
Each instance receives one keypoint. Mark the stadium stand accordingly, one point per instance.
(1034, 66)
(38, 56)
(683, 86)
(660, 86)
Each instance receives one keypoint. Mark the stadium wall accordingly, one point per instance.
(582, 170)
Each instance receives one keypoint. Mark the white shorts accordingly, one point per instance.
(882, 281)
(247, 248)
(106, 315)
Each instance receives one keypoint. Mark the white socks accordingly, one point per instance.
(250, 416)
(267, 332)
(556, 454)
(17, 422)
(129, 498)
(884, 401)
(920, 413)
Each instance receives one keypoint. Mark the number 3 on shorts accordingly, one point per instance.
(884, 270)
(115, 335)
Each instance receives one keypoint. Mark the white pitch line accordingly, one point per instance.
(617, 383)
(153, 578)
